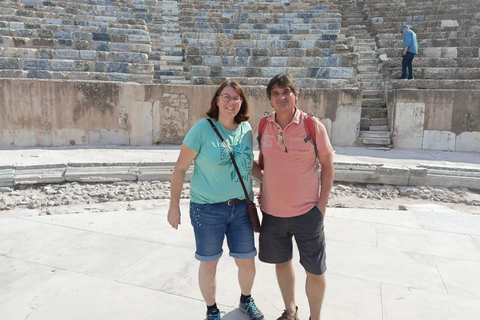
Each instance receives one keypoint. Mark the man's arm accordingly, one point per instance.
(327, 175)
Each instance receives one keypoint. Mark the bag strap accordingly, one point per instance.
(233, 158)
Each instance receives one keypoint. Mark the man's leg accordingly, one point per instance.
(286, 282)
(404, 67)
(208, 281)
(315, 288)
(410, 65)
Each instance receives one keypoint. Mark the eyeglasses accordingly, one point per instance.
(227, 98)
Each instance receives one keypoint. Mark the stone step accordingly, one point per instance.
(371, 93)
(372, 102)
(368, 68)
(379, 128)
(375, 134)
(373, 112)
(376, 141)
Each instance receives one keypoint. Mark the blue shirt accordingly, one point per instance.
(410, 41)
(214, 177)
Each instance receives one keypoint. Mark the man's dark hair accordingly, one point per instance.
(283, 80)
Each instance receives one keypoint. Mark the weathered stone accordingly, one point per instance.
(9, 63)
(34, 64)
(62, 64)
(7, 174)
(101, 172)
(67, 53)
(40, 174)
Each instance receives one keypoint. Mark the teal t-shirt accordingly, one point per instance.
(214, 177)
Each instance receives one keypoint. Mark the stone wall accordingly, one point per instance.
(43, 113)
(446, 120)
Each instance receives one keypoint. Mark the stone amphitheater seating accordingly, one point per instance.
(67, 40)
(198, 42)
(448, 34)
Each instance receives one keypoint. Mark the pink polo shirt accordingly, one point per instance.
(290, 182)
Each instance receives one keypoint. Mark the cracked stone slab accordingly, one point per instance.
(159, 171)
(7, 174)
(38, 174)
(371, 173)
(101, 172)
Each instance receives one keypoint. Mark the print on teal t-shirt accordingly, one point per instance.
(214, 178)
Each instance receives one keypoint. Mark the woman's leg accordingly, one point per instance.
(246, 274)
(207, 279)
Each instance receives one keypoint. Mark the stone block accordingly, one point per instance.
(319, 73)
(449, 23)
(67, 53)
(212, 60)
(17, 25)
(233, 71)
(137, 68)
(199, 70)
(331, 62)
(449, 52)
(253, 72)
(279, 61)
(139, 38)
(433, 52)
(98, 36)
(39, 74)
(328, 52)
(342, 73)
(101, 172)
(140, 121)
(347, 116)
(62, 65)
(273, 71)
(468, 142)
(439, 140)
(40, 174)
(35, 64)
(100, 46)
(409, 124)
(69, 137)
(257, 61)
(227, 61)
(32, 138)
(172, 113)
(145, 48)
(6, 138)
(120, 67)
(108, 137)
(53, 21)
(9, 63)
(88, 54)
(377, 20)
(7, 175)
(130, 57)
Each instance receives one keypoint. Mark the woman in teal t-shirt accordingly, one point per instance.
(218, 207)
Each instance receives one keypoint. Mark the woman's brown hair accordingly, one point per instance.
(242, 114)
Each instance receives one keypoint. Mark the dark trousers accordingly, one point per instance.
(407, 63)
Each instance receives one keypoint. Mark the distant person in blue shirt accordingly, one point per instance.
(410, 49)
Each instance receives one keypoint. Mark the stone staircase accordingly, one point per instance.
(374, 127)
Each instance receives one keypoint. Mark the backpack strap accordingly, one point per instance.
(261, 127)
(312, 135)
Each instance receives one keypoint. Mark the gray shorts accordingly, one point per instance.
(275, 242)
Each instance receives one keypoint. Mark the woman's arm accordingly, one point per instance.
(185, 158)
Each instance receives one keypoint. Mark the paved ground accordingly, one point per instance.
(419, 264)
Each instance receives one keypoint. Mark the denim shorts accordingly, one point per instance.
(276, 240)
(212, 222)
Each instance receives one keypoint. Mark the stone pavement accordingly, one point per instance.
(418, 264)
(108, 164)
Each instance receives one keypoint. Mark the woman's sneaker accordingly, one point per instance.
(213, 315)
(250, 309)
(286, 316)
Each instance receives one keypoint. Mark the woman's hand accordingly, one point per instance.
(173, 217)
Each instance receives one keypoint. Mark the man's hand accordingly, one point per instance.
(173, 217)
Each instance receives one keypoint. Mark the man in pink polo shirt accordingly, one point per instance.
(293, 199)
